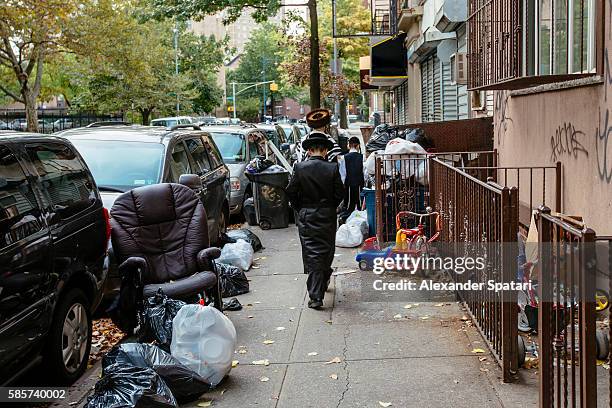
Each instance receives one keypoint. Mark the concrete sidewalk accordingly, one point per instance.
(423, 359)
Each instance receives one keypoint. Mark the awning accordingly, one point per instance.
(427, 43)
(389, 62)
(451, 14)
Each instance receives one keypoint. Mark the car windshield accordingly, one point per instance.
(113, 166)
(231, 146)
(166, 123)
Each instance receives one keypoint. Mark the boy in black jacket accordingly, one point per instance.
(315, 191)
(353, 183)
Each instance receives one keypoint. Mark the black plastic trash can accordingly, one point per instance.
(271, 203)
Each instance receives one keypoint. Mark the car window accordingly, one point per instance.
(198, 153)
(256, 145)
(231, 146)
(64, 178)
(179, 163)
(19, 212)
(282, 137)
(112, 164)
(213, 153)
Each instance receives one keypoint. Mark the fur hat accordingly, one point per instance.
(318, 118)
(317, 139)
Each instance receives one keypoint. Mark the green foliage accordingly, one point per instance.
(197, 9)
(249, 109)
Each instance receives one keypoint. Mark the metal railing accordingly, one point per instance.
(566, 312)
(482, 218)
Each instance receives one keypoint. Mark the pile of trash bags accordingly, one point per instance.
(143, 375)
(246, 235)
(400, 146)
(384, 133)
(238, 254)
(159, 311)
(232, 279)
(352, 233)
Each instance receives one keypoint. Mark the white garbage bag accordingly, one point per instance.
(402, 146)
(349, 236)
(370, 163)
(360, 219)
(204, 340)
(238, 254)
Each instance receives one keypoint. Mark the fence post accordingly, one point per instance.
(557, 187)
(378, 185)
(509, 223)
(545, 312)
(588, 361)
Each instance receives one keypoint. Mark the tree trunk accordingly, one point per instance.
(343, 114)
(315, 75)
(31, 112)
(146, 115)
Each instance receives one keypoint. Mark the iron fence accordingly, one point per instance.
(482, 218)
(566, 312)
(52, 121)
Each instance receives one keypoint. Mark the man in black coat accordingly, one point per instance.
(315, 191)
(353, 183)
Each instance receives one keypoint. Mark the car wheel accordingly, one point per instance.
(69, 338)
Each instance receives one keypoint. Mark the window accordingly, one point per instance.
(179, 162)
(63, 177)
(19, 212)
(232, 146)
(213, 154)
(519, 43)
(198, 153)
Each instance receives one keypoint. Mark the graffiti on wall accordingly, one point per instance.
(602, 137)
(502, 119)
(566, 142)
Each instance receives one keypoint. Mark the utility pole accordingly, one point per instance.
(176, 65)
(335, 72)
(263, 73)
(234, 97)
(315, 74)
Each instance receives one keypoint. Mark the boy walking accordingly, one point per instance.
(353, 182)
(315, 191)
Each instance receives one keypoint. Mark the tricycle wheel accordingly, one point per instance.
(602, 345)
(265, 225)
(521, 351)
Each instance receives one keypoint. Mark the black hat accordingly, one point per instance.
(317, 139)
(318, 118)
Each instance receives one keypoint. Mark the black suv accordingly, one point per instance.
(54, 233)
(123, 157)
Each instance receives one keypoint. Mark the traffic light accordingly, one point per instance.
(274, 87)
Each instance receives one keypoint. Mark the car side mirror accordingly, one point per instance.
(192, 181)
(285, 147)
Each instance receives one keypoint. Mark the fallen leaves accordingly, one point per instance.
(424, 317)
(234, 363)
(478, 351)
(334, 360)
(384, 404)
(242, 351)
(397, 316)
(105, 335)
(267, 342)
(531, 362)
(313, 353)
(333, 376)
(205, 404)
(265, 362)
(264, 379)
(280, 328)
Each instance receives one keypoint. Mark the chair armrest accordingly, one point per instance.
(134, 266)
(206, 258)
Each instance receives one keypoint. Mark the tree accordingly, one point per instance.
(30, 32)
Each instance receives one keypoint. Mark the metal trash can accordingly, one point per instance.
(271, 202)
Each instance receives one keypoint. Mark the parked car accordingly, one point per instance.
(123, 157)
(172, 121)
(54, 232)
(19, 124)
(277, 135)
(238, 146)
(4, 125)
(62, 124)
(205, 120)
(294, 135)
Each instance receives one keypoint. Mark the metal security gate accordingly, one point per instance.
(431, 104)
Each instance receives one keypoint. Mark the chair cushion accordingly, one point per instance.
(183, 287)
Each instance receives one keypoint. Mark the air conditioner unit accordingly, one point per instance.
(478, 100)
(458, 63)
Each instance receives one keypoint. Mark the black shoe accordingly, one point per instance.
(315, 304)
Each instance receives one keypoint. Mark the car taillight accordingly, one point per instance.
(107, 222)
(235, 184)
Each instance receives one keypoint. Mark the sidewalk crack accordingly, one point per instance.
(347, 333)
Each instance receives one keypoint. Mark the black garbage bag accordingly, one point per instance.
(186, 385)
(418, 136)
(247, 235)
(258, 164)
(379, 139)
(232, 279)
(128, 386)
(159, 310)
(233, 305)
(248, 210)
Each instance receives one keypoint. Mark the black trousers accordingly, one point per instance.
(317, 229)
(351, 200)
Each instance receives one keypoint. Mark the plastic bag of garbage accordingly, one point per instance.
(417, 168)
(360, 219)
(232, 279)
(379, 139)
(204, 340)
(418, 136)
(349, 236)
(274, 169)
(239, 254)
(159, 310)
(247, 235)
(370, 163)
(186, 385)
(128, 386)
(258, 164)
(232, 305)
(248, 210)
